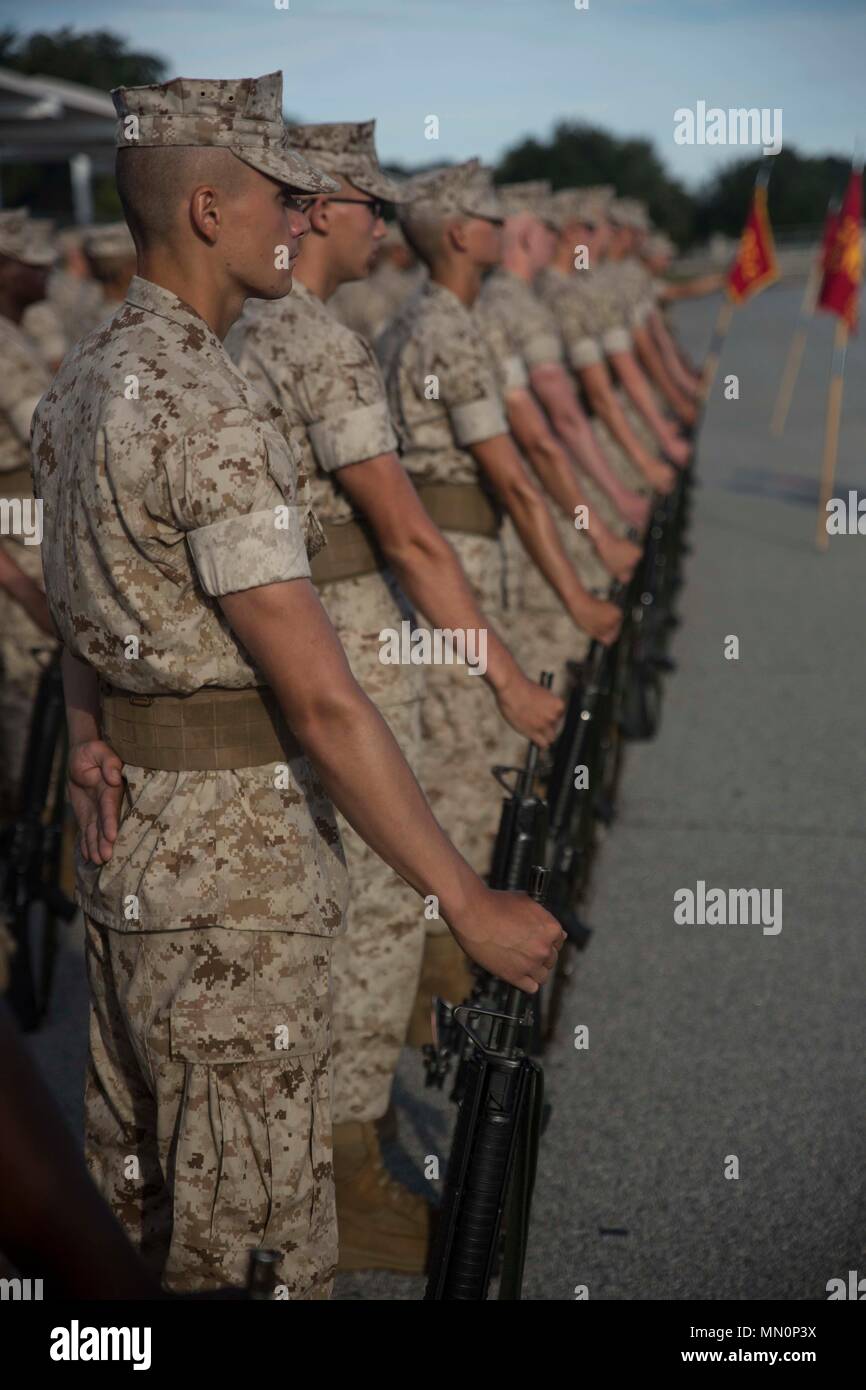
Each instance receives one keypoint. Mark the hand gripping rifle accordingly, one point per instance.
(520, 843)
(30, 851)
(494, 1153)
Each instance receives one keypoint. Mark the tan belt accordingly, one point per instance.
(461, 507)
(349, 552)
(212, 730)
(18, 482)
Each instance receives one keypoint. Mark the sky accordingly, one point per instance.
(494, 71)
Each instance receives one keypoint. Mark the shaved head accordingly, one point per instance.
(425, 233)
(154, 184)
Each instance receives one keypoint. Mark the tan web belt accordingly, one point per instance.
(349, 552)
(212, 730)
(461, 507)
(453, 506)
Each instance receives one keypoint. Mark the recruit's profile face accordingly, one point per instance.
(261, 235)
(540, 243)
(26, 283)
(357, 232)
(483, 240)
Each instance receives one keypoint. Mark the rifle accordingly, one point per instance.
(494, 1153)
(30, 849)
(520, 842)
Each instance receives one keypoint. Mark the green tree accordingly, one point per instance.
(799, 190)
(98, 59)
(577, 155)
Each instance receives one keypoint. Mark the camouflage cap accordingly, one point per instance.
(243, 116)
(629, 212)
(25, 239)
(347, 148)
(523, 197)
(588, 206)
(111, 241)
(465, 189)
(659, 247)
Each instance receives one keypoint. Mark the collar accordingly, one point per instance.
(155, 299)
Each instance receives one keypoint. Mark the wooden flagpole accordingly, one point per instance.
(717, 342)
(831, 431)
(798, 342)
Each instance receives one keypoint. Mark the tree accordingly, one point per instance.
(800, 188)
(577, 155)
(98, 59)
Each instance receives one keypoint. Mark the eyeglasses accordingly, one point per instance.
(296, 204)
(376, 205)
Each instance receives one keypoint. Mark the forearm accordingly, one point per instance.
(537, 531)
(609, 411)
(656, 368)
(81, 691)
(674, 363)
(28, 594)
(366, 776)
(289, 637)
(571, 425)
(431, 576)
(639, 393)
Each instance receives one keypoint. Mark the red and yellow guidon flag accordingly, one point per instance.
(843, 259)
(755, 266)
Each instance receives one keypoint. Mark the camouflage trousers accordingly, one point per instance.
(23, 650)
(207, 1105)
(463, 734)
(377, 959)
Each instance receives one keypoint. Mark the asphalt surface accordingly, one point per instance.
(706, 1042)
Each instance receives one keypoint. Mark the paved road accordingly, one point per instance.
(708, 1041)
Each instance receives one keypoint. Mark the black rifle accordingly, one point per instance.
(30, 850)
(520, 842)
(493, 1157)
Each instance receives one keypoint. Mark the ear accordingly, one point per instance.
(455, 233)
(205, 213)
(319, 216)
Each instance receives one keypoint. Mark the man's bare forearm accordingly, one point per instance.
(639, 393)
(572, 426)
(358, 760)
(432, 577)
(81, 691)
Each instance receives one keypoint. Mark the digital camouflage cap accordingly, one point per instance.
(587, 206)
(110, 241)
(629, 212)
(347, 148)
(460, 190)
(523, 197)
(244, 116)
(25, 239)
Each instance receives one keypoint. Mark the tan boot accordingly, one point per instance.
(382, 1224)
(445, 972)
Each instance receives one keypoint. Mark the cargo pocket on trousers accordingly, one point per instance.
(247, 1144)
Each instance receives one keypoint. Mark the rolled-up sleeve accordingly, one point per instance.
(540, 348)
(584, 352)
(231, 488)
(352, 435)
(476, 421)
(616, 339)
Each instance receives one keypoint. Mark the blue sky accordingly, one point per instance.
(496, 70)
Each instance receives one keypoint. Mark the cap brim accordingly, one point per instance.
(288, 166)
(488, 208)
(39, 259)
(381, 186)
